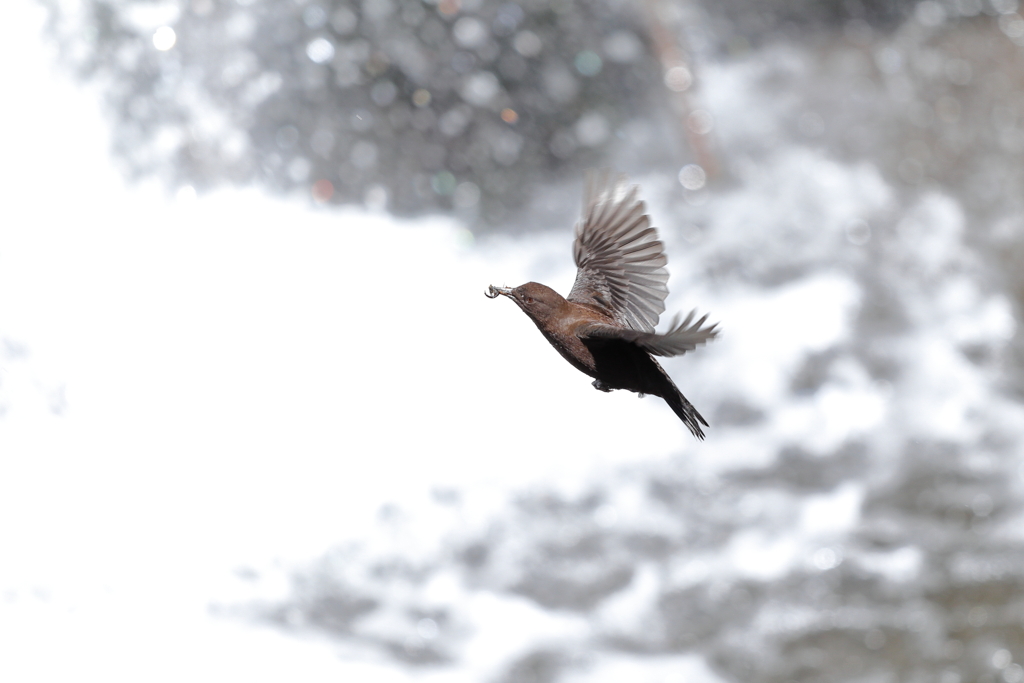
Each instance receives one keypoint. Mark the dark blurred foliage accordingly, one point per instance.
(935, 105)
(420, 105)
(482, 106)
(742, 22)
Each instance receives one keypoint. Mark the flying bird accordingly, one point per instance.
(605, 327)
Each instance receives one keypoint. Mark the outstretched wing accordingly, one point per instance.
(682, 337)
(620, 261)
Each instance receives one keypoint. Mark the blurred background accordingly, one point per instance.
(257, 419)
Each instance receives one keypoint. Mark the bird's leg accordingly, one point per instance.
(601, 386)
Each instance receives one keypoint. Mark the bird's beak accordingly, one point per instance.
(493, 292)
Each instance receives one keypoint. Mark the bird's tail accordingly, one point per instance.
(686, 412)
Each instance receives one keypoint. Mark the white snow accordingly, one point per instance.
(191, 386)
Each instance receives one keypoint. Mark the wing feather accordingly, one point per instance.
(682, 336)
(620, 261)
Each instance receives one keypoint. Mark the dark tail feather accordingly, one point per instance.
(686, 412)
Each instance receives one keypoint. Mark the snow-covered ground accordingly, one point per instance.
(193, 386)
(242, 437)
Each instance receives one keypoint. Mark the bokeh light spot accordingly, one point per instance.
(322, 142)
(421, 97)
(320, 50)
(454, 121)
(469, 32)
(889, 60)
(588, 63)
(314, 16)
(826, 558)
(427, 629)
(1005, 6)
(592, 129)
(287, 136)
(509, 115)
(508, 19)
(1012, 25)
(527, 43)
(622, 47)
(678, 78)
(323, 190)
(929, 13)
(376, 197)
(449, 7)
(700, 121)
(363, 155)
(164, 38)
(443, 183)
(344, 21)
(383, 93)
(692, 177)
(466, 195)
(480, 89)
(378, 62)
(691, 233)
(298, 169)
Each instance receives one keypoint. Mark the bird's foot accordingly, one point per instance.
(641, 394)
(601, 386)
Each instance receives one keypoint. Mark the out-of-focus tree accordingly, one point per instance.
(410, 104)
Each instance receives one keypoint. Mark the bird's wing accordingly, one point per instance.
(682, 337)
(620, 261)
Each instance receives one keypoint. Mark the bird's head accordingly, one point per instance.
(537, 301)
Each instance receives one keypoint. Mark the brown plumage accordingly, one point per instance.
(605, 327)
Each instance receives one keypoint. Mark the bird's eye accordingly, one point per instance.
(529, 299)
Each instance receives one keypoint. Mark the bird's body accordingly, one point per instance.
(605, 328)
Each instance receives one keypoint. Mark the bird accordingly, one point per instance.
(605, 327)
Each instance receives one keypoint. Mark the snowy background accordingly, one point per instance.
(258, 420)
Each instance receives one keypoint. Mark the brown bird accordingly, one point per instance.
(605, 327)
